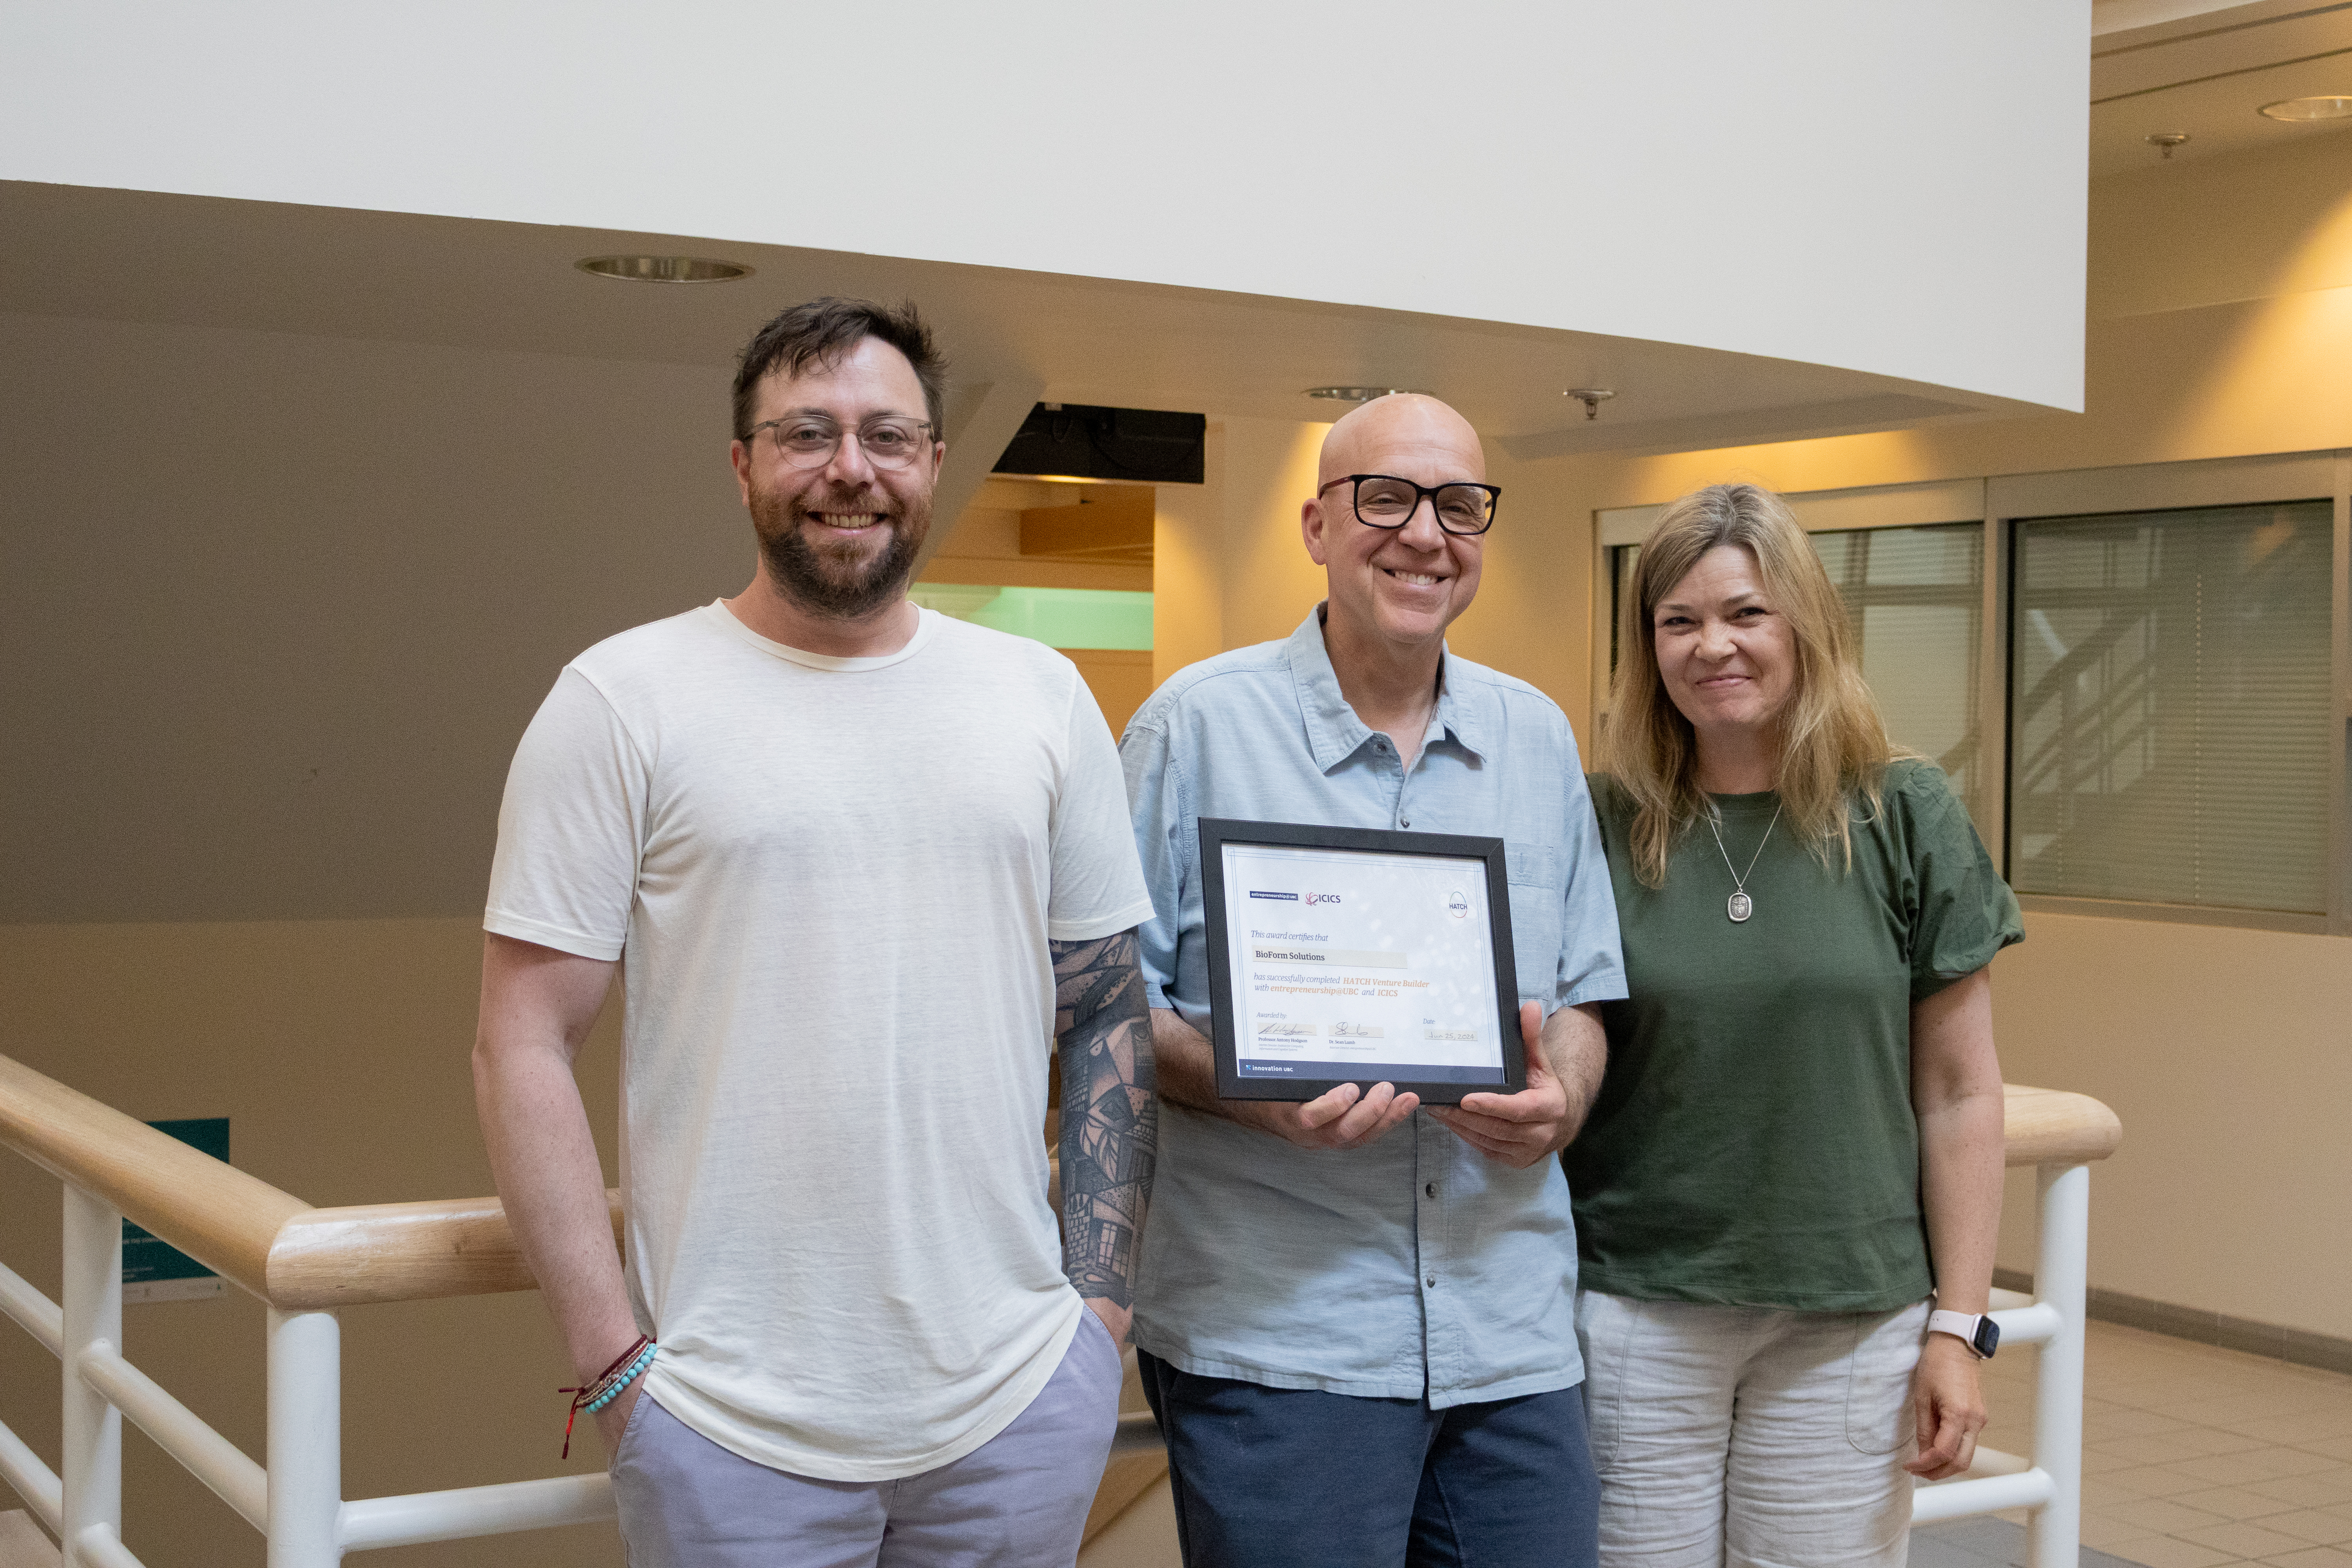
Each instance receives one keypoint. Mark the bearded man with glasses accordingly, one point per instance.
(859, 861)
(1354, 1320)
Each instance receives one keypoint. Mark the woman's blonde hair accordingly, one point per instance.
(1834, 746)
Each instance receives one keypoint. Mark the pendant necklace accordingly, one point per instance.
(1739, 906)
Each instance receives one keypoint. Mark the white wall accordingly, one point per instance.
(1889, 188)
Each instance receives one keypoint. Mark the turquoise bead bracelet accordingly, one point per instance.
(621, 1382)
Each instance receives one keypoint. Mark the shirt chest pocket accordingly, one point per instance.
(1533, 870)
(1531, 864)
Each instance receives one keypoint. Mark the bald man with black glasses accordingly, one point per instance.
(1355, 1314)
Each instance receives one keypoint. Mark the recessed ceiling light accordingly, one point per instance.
(663, 269)
(2335, 106)
(1359, 393)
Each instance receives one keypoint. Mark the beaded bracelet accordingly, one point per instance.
(607, 1385)
(613, 1390)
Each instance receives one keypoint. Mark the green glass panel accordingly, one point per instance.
(1058, 617)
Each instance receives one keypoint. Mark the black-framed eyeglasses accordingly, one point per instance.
(1384, 500)
(809, 441)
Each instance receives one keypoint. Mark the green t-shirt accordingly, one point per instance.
(1753, 1140)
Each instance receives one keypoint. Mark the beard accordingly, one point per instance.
(839, 580)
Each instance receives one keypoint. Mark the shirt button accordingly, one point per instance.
(1430, 1280)
(1430, 1191)
(1404, 822)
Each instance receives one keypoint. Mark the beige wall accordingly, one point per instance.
(2228, 1053)
(1229, 567)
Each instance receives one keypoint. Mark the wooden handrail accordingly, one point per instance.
(400, 1252)
(300, 1259)
(2050, 1126)
(216, 1213)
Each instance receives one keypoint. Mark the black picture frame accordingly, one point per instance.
(1217, 832)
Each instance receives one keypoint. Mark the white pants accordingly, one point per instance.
(1746, 1437)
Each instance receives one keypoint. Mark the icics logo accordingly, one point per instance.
(1322, 897)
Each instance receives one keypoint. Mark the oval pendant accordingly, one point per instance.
(1739, 906)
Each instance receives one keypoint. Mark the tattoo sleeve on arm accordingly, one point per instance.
(1110, 1120)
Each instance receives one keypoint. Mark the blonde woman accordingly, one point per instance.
(1796, 1153)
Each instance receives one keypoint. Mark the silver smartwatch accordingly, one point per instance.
(1974, 1330)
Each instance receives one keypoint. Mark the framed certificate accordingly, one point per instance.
(1355, 955)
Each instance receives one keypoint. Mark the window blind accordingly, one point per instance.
(2170, 704)
(1915, 597)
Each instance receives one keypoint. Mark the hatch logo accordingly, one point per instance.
(1313, 898)
(1457, 906)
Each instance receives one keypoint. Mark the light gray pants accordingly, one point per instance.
(1018, 1501)
(1749, 1437)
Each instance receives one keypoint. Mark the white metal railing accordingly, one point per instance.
(307, 1263)
(2049, 1482)
(297, 1501)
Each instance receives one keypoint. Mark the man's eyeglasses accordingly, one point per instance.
(1384, 501)
(805, 441)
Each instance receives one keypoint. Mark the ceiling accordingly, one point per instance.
(129, 255)
(144, 256)
(2206, 71)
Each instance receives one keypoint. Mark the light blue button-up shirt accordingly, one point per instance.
(1416, 1266)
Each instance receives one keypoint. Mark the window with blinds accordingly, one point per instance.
(2169, 707)
(1914, 599)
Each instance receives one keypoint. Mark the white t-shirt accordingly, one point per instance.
(832, 881)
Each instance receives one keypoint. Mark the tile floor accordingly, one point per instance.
(1986, 1543)
(2192, 1457)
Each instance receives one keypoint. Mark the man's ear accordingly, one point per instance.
(738, 455)
(1310, 528)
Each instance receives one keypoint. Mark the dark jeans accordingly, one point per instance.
(1279, 1477)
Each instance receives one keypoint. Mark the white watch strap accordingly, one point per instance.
(1962, 1326)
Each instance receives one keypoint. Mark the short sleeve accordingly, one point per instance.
(1964, 913)
(1097, 888)
(1157, 812)
(571, 827)
(1591, 961)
